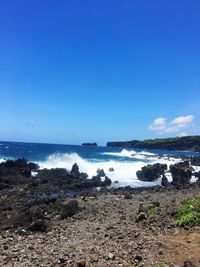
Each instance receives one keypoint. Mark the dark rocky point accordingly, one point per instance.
(151, 172)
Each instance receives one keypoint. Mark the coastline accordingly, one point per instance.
(92, 226)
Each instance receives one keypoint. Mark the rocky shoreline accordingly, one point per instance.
(60, 218)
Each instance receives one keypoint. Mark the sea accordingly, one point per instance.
(124, 163)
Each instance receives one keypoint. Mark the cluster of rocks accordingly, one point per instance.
(15, 172)
(181, 173)
(151, 172)
(31, 201)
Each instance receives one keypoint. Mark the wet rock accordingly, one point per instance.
(75, 170)
(164, 181)
(69, 209)
(151, 172)
(101, 173)
(111, 169)
(107, 182)
(181, 173)
(195, 161)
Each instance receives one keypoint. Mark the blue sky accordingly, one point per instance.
(77, 71)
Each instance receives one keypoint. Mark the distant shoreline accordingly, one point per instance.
(186, 143)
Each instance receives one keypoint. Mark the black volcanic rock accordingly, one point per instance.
(165, 181)
(181, 173)
(69, 209)
(13, 172)
(151, 172)
(75, 170)
(195, 161)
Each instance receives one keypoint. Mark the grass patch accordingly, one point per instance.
(189, 212)
(152, 211)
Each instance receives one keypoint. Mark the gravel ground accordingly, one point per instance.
(106, 231)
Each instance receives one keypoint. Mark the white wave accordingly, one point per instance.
(2, 160)
(124, 172)
(131, 154)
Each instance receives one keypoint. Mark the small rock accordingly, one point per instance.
(142, 208)
(156, 204)
(141, 216)
(111, 256)
(111, 169)
(128, 196)
(81, 263)
(189, 263)
(138, 258)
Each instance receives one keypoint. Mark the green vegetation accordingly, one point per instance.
(189, 212)
(191, 143)
(152, 210)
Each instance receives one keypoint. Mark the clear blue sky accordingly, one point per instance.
(99, 70)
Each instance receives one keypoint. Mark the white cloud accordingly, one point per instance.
(182, 121)
(158, 125)
(177, 125)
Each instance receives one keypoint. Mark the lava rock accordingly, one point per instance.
(141, 216)
(75, 170)
(181, 173)
(151, 172)
(38, 226)
(189, 263)
(70, 209)
(164, 181)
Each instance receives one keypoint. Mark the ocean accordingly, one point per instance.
(125, 162)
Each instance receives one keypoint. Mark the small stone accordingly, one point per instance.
(128, 196)
(141, 216)
(138, 258)
(81, 263)
(188, 263)
(111, 256)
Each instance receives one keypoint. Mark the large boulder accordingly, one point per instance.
(181, 173)
(151, 172)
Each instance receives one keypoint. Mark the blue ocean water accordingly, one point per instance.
(89, 158)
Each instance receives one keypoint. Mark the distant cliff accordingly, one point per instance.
(187, 143)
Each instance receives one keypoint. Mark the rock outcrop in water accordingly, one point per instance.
(89, 144)
(151, 172)
(181, 173)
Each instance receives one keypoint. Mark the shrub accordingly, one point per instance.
(189, 212)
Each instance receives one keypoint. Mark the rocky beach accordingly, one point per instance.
(53, 217)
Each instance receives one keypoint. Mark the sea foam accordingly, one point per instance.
(124, 172)
(130, 154)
